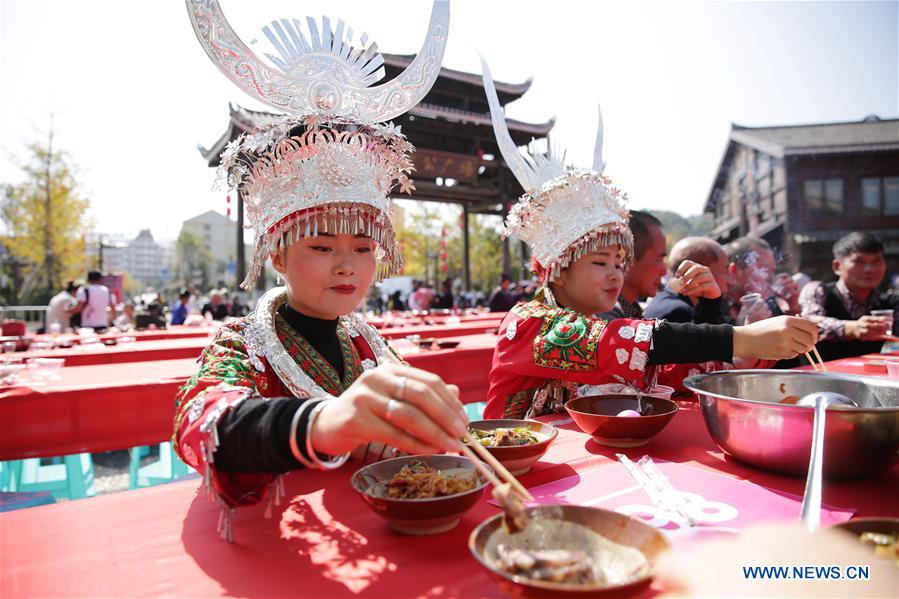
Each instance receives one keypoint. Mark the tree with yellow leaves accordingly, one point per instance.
(44, 225)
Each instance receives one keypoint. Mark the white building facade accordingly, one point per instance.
(218, 233)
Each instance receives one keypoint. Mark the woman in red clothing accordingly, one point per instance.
(575, 223)
(297, 383)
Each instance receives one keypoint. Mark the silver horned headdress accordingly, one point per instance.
(564, 212)
(329, 164)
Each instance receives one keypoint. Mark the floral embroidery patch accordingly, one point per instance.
(626, 332)
(567, 341)
(638, 359)
(368, 364)
(644, 332)
(621, 355)
(511, 330)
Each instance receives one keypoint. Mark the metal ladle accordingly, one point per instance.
(810, 514)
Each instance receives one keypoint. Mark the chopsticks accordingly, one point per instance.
(819, 367)
(488, 457)
(480, 453)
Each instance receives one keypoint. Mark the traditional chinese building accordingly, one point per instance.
(802, 187)
(456, 160)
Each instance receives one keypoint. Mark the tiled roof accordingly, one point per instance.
(869, 135)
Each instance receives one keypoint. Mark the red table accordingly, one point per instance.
(443, 330)
(92, 408)
(113, 406)
(172, 332)
(380, 322)
(322, 541)
(190, 347)
(159, 349)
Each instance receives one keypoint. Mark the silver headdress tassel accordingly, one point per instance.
(564, 213)
(328, 165)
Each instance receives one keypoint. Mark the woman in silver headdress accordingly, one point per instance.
(297, 384)
(576, 224)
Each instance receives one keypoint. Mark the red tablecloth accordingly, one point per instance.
(190, 347)
(381, 321)
(322, 541)
(172, 332)
(443, 330)
(113, 406)
(92, 408)
(158, 349)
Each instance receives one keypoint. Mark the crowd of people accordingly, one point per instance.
(449, 295)
(744, 282)
(89, 304)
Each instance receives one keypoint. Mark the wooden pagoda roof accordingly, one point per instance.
(451, 131)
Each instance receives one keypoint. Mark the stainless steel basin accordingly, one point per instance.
(744, 416)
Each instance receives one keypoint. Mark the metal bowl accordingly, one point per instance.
(743, 413)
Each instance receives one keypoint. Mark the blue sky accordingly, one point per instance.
(134, 93)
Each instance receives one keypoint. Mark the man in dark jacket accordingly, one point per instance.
(698, 269)
(501, 300)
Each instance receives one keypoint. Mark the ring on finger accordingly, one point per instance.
(392, 406)
(400, 390)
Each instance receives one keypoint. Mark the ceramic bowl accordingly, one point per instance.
(597, 415)
(518, 459)
(562, 527)
(417, 516)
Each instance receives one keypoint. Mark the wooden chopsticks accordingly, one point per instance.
(479, 454)
(496, 464)
(819, 367)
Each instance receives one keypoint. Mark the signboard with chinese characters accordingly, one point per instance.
(430, 164)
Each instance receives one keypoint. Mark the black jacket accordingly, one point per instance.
(674, 307)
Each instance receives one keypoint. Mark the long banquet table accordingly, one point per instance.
(157, 349)
(322, 541)
(171, 332)
(185, 346)
(116, 405)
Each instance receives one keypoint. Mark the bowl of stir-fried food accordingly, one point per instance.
(568, 549)
(422, 494)
(517, 444)
(880, 534)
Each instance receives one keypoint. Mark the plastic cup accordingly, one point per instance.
(661, 391)
(47, 367)
(887, 316)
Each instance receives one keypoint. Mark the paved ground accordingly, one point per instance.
(111, 470)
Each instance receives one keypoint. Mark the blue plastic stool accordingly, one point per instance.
(73, 478)
(166, 469)
(475, 410)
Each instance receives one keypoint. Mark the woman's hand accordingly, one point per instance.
(695, 280)
(406, 408)
(777, 338)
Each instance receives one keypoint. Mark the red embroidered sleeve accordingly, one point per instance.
(229, 373)
(554, 343)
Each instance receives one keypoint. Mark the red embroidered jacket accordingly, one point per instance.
(544, 353)
(232, 369)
